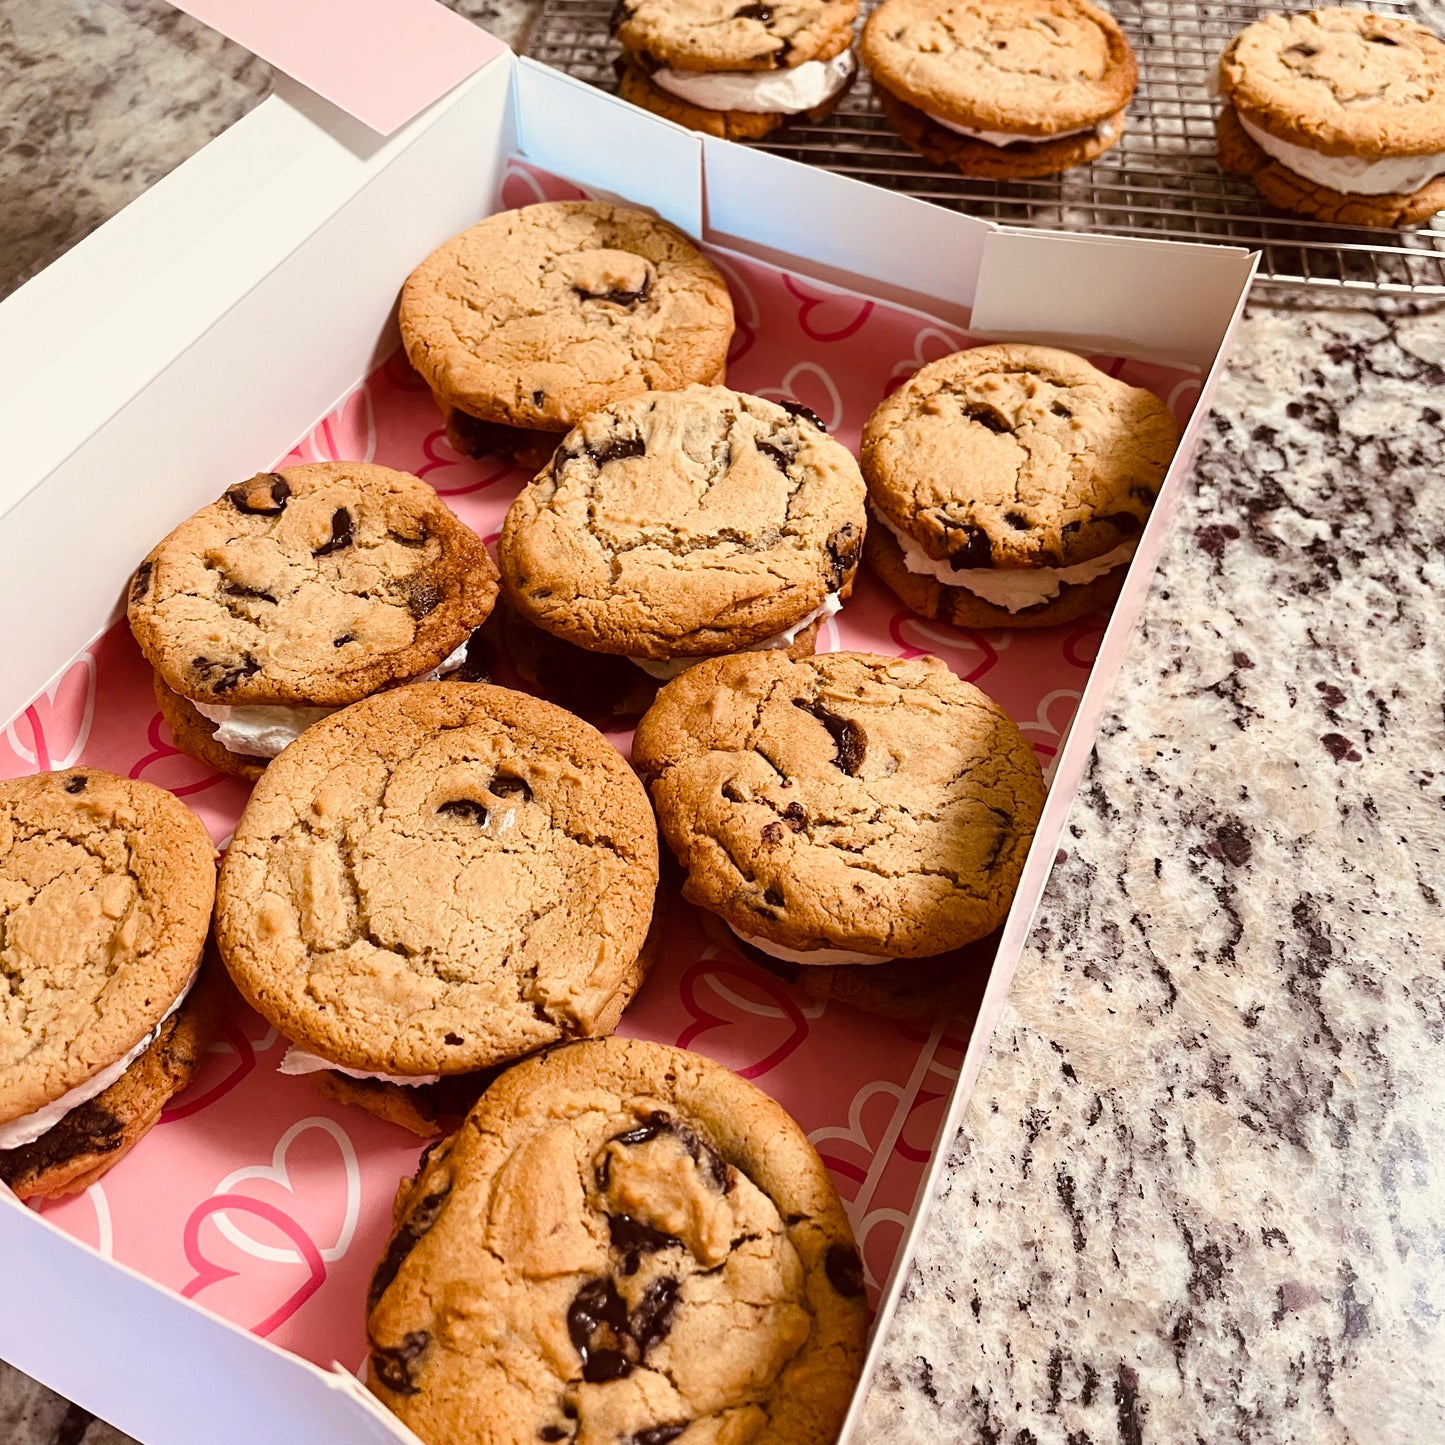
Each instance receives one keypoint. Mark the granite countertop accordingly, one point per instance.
(1195, 1196)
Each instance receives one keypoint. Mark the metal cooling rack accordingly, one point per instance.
(1162, 179)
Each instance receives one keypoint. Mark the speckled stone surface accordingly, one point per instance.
(1196, 1195)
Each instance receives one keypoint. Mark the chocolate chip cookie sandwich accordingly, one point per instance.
(437, 880)
(736, 70)
(299, 592)
(1001, 89)
(1008, 485)
(681, 525)
(626, 1243)
(535, 317)
(1338, 114)
(842, 809)
(105, 900)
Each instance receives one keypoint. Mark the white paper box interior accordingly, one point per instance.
(201, 331)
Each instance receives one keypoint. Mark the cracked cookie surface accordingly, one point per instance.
(1030, 67)
(848, 801)
(1015, 456)
(1340, 82)
(440, 878)
(535, 317)
(732, 35)
(105, 900)
(313, 585)
(684, 524)
(624, 1244)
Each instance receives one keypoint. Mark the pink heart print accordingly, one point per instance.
(215, 1079)
(828, 317)
(53, 731)
(758, 1021)
(207, 1272)
(969, 654)
(475, 476)
(168, 767)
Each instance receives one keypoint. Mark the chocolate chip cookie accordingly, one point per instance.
(1338, 114)
(1008, 485)
(843, 809)
(440, 878)
(681, 525)
(624, 1242)
(105, 897)
(301, 591)
(736, 71)
(1002, 89)
(535, 317)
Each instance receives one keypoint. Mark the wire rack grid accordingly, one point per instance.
(1161, 180)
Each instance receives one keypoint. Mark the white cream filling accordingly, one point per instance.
(1104, 130)
(1350, 175)
(811, 955)
(298, 1061)
(760, 92)
(666, 671)
(29, 1127)
(264, 730)
(1013, 588)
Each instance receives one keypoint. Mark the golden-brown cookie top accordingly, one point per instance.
(847, 802)
(314, 585)
(537, 316)
(1017, 456)
(623, 1242)
(440, 878)
(106, 886)
(731, 35)
(1340, 82)
(684, 524)
(1030, 67)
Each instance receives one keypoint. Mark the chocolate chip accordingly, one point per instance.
(652, 1319)
(551, 1432)
(774, 897)
(795, 817)
(234, 589)
(968, 545)
(616, 297)
(702, 1154)
(987, 417)
(466, 808)
(264, 495)
(394, 1365)
(842, 555)
(219, 676)
(661, 1434)
(658, 1123)
(634, 1239)
(507, 785)
(140, 583)
(538, 397)
(617, 450)
(76, 783)
(341, 533)
(783, 452)
(598, 1326)
(780, 56)
(453, 1041)
(844, 1269)
(413, 1227)
(343, 639)
(763, 13)
(1059, 409)
(772, 834)
(804, 413)
(850, 741)
(1017, 521)
(420, 540)
(791, 1219)
(479, 659)
(422, 596)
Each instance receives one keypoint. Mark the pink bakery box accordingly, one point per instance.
(210, 1287)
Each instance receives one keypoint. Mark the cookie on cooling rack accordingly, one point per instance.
(736, 71)
(1338, 114)
(1001, 89)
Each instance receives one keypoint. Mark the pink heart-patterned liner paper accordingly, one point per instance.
(260, 1201)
